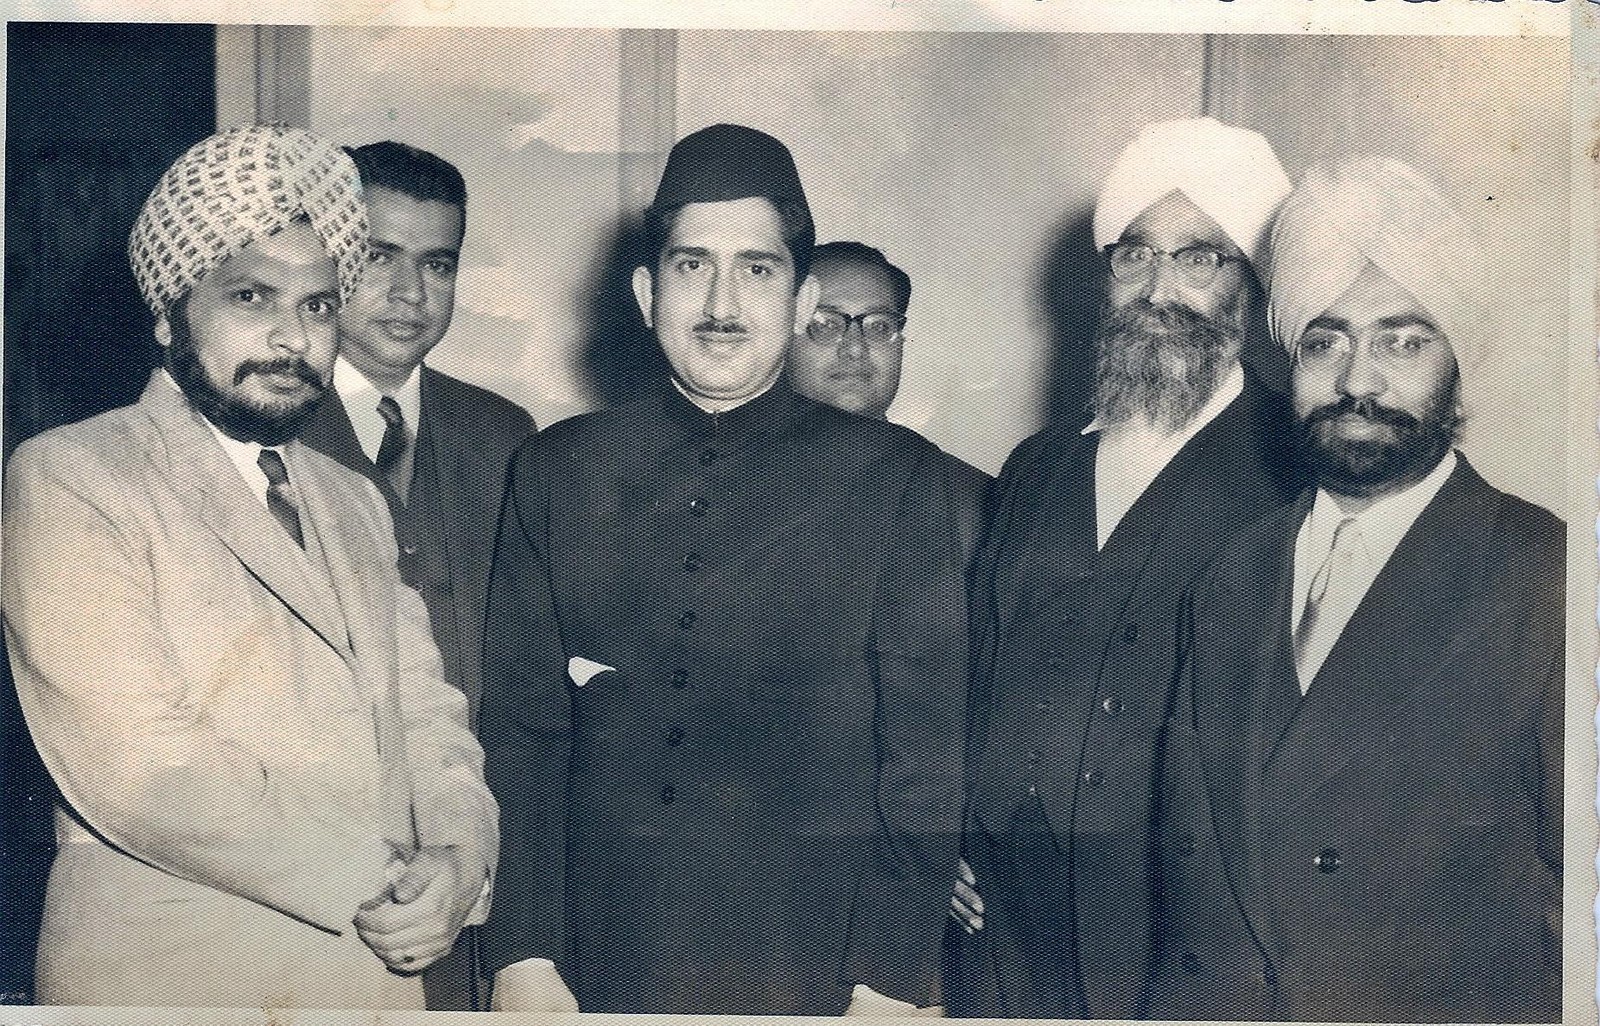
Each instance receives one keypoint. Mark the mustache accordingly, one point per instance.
(281, 365)
(1144, 316)
(713, 326)
(1365, 407)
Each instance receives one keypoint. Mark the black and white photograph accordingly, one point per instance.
(1007, 511)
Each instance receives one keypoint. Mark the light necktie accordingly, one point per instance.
(1334, 594)
(392, 459)
(280, 497)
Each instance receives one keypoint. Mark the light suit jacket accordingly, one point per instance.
(243, 730)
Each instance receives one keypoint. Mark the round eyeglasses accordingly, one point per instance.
(829, 326)
(1325, 348)
(1196, 265)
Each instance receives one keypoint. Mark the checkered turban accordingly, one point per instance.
(1351, 211)
(239, 186)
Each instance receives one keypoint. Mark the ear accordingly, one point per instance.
(644, 292)
(163, 329)
(805, 302)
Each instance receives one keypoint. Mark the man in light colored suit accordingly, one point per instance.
(271, 797)
(1362, 791)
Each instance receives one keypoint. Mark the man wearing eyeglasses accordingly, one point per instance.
(849, 354)
(1097, 533)
(1362, 796)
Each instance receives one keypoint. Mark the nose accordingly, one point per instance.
(1362, 376)
(722, 297)
(405, 282)
(1164, 285)
(853, 343)
(292, 333)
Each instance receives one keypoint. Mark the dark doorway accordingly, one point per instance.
(94, 114)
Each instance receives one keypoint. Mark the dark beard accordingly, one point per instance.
(233, 415)
(1361, 468)
(1162, 362)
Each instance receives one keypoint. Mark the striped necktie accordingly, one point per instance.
(280, 497)
(392, 459)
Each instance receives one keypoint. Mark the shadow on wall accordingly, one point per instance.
(1069, 287)
(618, 358)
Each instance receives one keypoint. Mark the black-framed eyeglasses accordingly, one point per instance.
(1197, 265)
(829, 326)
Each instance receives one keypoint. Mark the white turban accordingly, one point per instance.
(236, 187)
(1352, 210)
(1229, 173)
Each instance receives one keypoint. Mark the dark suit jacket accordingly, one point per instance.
(757, 805)
(473, 433)
(1074, 658)
(1389, 847)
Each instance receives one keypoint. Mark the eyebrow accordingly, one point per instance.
(749, 255)
(1404, 320)
(394, 247)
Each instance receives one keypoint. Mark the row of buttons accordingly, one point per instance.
(692, 562)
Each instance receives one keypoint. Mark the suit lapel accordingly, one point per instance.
(211, 485)
(463, 467)
(1400, 632)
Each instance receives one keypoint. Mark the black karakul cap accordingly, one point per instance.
(729, 162)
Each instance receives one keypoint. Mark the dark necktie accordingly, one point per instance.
(391, 460)
(280, 499)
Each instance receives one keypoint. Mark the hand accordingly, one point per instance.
(866, 1003)
(966, 904)
(532, 985)
(415, 921)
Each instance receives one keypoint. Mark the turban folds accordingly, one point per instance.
(1229, 173)
(1350, 211)
(236, 187)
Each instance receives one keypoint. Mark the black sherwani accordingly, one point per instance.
(757, 804)
(1075, 652)
(1387, 848)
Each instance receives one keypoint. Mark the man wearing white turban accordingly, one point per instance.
(270, 795)
(1097, 533)
(1362, 793)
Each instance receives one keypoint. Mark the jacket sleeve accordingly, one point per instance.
(451, 804)
(525, 724)
(117, 719)
(919, 645)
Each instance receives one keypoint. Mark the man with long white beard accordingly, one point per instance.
(1362, 792)
(1076, 592)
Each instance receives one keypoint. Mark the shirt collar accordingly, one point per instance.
(355, 389)
(242, 455)
(1384, 522)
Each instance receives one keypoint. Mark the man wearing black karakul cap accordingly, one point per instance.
(725, 665)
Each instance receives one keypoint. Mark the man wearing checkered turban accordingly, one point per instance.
(1365, 767)
(269, 794)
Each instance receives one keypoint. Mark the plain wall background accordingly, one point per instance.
(972, 160)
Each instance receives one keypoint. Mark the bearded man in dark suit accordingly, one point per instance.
(1362, 799)
(1096, 534)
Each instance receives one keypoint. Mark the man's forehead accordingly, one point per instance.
(753, 218)
(848, 275)
(1375, 296)
(1175, 220)
(296, 251)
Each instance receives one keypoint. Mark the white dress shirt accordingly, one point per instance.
(360, 398)
(243, 455)
(1133, 453)
(1382, 526)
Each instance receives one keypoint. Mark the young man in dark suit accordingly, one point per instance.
(436, 447)
(725, 671)
(1096, 534)
(1362, 799)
